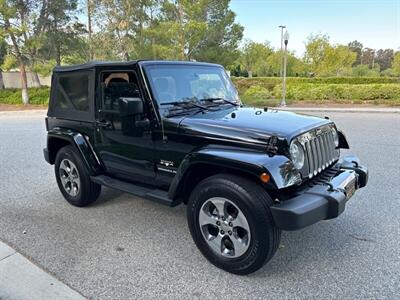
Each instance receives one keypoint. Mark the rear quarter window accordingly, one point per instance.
(72, 92)
(72, 95)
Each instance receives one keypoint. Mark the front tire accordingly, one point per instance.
(230, 221)
(73, 178)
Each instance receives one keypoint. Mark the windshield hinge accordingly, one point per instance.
(272, 144)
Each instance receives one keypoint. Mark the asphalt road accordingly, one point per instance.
(125, 247)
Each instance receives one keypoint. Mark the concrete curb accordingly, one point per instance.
(23, 112)
(341, 109)
(21, 279)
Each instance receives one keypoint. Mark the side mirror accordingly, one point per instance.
(130, 107)
(145, 124)
(131, 112)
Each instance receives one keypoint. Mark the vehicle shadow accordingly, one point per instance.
(107, 197)
(317, 246)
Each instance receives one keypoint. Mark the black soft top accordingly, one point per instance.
(103, 64)
(93, 65)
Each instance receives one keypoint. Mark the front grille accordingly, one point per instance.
(320, 150)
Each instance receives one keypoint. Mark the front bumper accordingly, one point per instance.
(324, 198)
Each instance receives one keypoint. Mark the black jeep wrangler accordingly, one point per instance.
(176, 132)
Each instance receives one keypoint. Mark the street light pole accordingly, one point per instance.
(281, 71)
(286, 40)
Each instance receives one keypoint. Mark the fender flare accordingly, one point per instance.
(279, 167)
(80, 141)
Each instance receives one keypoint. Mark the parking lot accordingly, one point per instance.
(125, 247)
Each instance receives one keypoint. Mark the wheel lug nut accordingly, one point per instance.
(230, 232)
(223, 218)
(222, 232)
(230, 224)
(218, 223)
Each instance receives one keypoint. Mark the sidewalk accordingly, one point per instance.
(342, 109)
(21, 279)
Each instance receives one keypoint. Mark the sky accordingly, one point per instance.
(375, 23)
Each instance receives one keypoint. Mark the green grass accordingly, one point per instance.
(37, 96)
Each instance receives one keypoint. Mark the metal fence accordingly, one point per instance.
(9, 80)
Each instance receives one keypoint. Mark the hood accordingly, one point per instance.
(249, 125)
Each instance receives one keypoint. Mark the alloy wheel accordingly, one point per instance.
(69, 176)
(224, 227)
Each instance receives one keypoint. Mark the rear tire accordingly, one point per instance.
(252, 238)
(73, 178)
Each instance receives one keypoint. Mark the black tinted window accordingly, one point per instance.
(116, 85)
(61, 100)
(73, 92)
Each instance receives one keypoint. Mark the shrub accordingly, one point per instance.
(270, 83)
(341, 92)
(37, 96)
(257, 92)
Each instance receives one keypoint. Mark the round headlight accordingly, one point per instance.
(297, 155)
(335, 136)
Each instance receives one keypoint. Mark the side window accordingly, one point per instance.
(75, 90)
(117, 85)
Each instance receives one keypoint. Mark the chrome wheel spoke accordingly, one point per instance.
(65, 166)
(74, 189)
(240, 221)
(240, 245)
(216, 242)
(206, 218)
(74, 173)
(219, 204)
(64, 179)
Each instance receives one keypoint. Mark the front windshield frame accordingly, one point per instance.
(225, 82)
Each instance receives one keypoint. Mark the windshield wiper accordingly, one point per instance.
(185, 104)
(219, 98)
(179, 105)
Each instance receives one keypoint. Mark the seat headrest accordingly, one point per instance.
(162, 84)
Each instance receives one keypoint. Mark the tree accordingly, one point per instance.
(316, 49)
(123, 25)
(222, 37)
(356, 47)
(365, 71)
(338, 60)
(59, 30)
(294, 66)
(368, 57)
(253, 57)
(325, 59)
(200, 30)
(396, 63)
(89, 10)
(3, 50)
(384, 57)
(13, 28)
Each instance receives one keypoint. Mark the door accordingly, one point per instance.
(126, 151)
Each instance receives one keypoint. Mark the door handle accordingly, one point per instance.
(103, 123)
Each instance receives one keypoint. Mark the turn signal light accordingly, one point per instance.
(264, 177)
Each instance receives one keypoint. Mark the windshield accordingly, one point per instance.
(172, 84)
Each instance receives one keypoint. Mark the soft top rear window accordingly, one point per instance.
(71, 95)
